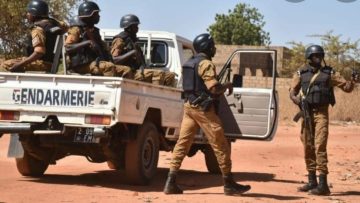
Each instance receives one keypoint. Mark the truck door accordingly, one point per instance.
(251, 112)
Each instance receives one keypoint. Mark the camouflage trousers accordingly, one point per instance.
(193, 119)
(38, 65)
(156, 77)
(169, 79)
(315, 146)
(105, 68)
(153, 76)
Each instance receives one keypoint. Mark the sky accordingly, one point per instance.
(285, 21)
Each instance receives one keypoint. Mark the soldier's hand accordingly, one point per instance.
(296, 100)
(230, 88)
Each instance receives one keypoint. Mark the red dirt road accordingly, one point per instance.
(274, 170)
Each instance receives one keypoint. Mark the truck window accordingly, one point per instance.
(108, 42)
(158, 53)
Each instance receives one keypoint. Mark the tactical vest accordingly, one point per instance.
(129, 46)
(193, 84)
(321, 92)
(87, 54)
(50, 39)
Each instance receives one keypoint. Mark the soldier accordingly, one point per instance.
(200, 90)
(126, 52)
(86, 50)
(314, 84)
(42, 42)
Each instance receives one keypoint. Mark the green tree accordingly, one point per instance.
(241, 26)
(13, 25)
(295, 60)
(341, 54)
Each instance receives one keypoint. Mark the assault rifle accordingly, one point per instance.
(306, 114)
(203, 100)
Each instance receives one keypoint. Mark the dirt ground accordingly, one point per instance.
(274, 170)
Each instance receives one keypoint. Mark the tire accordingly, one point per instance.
(142, 155)
(30, 166)
(212, 164)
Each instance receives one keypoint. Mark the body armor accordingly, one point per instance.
(130, 45)
(46, 25)
(193, 84)
(320, 93)
(87, 55)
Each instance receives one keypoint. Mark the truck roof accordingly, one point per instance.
(107, 33)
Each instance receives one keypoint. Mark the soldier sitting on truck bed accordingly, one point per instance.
(41, 44)
(125, 51)
(85, 48)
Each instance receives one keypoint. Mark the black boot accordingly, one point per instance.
(232, 188)
(322, 188)
(170, 186)
(312, 184)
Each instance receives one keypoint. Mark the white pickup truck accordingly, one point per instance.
(119, 121)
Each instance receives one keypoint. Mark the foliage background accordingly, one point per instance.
(241, 26)
(13, 25)
(342, 55)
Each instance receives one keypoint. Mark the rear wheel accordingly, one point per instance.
(142, 155)
(30, 166)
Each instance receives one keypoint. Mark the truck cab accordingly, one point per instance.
(162, 50)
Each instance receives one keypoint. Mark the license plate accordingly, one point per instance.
(84, 135)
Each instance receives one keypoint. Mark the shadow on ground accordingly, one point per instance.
(355, 193)
(189, 180)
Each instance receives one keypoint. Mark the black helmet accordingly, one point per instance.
(203, 43)
(314, 49)
(76, 21)
(128, 20)
(38, 8)
(87, 9)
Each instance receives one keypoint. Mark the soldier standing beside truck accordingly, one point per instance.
(86, 50)
(200, 90)
(314, 84)
(41, 44)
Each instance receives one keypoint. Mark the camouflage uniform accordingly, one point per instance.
(195, 118)
(315, 148)
(154, 76)
(169, 79)
(105, 68)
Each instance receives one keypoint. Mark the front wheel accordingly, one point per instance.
(142, 155)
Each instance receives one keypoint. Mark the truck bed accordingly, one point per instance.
(71, 97)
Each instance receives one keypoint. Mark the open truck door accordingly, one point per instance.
(251, 112)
